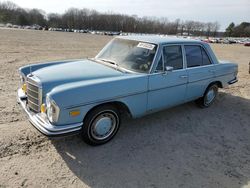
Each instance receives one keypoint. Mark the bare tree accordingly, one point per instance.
(215, 28)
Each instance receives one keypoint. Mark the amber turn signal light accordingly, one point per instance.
(74, 113)
(24, 87)
(43, 108)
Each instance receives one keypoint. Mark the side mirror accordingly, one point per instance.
(169, 69)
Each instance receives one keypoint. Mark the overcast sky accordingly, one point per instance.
(223, 11)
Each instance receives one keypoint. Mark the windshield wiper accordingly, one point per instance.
(117, 67)
(109, 61)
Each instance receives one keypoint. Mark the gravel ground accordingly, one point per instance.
(180, 147)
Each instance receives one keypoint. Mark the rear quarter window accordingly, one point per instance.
(205, 58)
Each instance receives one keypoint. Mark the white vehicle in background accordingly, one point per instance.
(9, 25)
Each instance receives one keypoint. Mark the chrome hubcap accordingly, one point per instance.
(210, 96)
(103, 126)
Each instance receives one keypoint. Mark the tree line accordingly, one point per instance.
(11, 13)
(85, 19)
(241, 30)
(93, 20)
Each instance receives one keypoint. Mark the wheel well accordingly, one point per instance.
(218, 83)
(121, 107)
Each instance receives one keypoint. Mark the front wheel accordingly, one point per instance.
(101, 125)
(209, 96)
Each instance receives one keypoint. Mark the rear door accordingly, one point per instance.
(200, 71)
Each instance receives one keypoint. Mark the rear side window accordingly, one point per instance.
(196, 56)
(193, 56)
(172, 56)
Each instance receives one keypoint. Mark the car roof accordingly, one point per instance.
(156, 39)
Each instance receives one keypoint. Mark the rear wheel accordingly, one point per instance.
(209, 97)
(101, 125)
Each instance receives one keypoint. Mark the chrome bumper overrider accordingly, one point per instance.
(40, 121)
(233, 81)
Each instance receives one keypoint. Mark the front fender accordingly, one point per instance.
(84, 95)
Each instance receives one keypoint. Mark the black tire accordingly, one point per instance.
(203, 102)
(90, 125)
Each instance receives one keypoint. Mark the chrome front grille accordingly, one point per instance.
(34, 95)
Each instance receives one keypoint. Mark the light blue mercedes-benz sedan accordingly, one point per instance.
(136, 75)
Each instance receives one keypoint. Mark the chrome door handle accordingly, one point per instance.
(183, 76)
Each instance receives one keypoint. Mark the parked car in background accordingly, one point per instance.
(247, 44)
(27, 27)
(111, 33)
(9, 25)
(136, 75)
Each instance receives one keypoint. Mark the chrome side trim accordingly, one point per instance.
(40, 122)
(190, 68)
(131, 94)
(105, 100)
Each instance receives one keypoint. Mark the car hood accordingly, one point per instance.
(58, 74)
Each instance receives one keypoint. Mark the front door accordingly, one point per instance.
(168, 88)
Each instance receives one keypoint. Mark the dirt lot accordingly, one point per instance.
(181, 147)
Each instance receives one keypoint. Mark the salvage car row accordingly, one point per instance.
(222, 40)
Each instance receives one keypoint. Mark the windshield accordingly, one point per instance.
(129, 54)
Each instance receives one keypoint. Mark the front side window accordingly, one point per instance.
(196, 56)
(172, 56)
(129, 54)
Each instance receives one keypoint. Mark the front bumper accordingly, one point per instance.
(40, 121)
